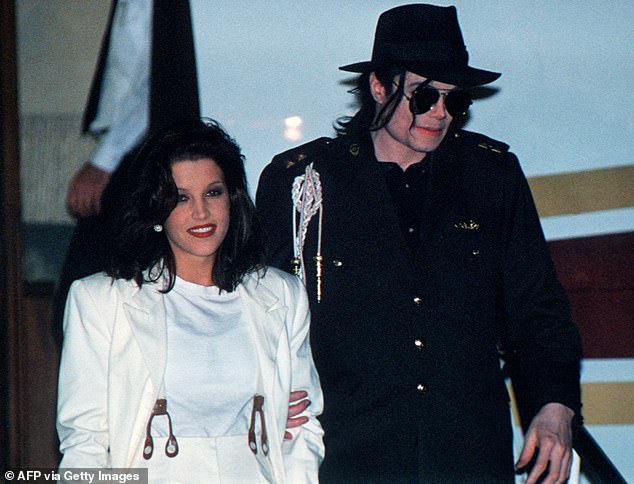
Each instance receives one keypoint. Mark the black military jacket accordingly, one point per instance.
(407, 347)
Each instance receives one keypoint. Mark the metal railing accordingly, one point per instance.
(596, 466)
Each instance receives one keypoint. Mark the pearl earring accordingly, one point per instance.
(158, 228)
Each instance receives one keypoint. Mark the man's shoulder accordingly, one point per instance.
(484, 158)
(301, 156)
(479, 142)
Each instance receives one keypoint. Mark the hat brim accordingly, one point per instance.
(450, 74)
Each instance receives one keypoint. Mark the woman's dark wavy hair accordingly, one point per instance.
(139, 248)
(366, 118)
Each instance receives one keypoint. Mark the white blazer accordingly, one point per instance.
(114, 359)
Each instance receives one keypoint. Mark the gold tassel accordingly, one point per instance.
(318, 260)
(296, 265)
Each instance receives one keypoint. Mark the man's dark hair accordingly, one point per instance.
(139, 248)
(366, 117)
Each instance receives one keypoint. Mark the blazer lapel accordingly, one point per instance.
(266, 314)
(146, 313)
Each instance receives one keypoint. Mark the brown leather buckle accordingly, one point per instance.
(258, 407)
(171, 446)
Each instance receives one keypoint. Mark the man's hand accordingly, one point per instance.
(550, 434)
(85, 190)
(294, 409)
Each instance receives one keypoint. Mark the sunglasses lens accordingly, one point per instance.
(457, 102)
(422, 100)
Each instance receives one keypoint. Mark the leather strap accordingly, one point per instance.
(171, 446)
(258, 407)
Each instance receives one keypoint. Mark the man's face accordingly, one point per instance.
(406, 138)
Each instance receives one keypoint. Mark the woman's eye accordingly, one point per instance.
(215, 192)
(182, 198)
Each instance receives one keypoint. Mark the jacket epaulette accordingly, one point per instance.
(302, 156)
(481, 141)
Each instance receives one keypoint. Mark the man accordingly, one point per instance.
(117, 115)
(117, 111)
(423, 255)
(145, 79)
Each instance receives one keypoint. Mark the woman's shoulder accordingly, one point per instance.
(101, 285)
(93, 282)
(273, 275)
(273, 279)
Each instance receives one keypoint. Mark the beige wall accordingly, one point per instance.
(58, 44)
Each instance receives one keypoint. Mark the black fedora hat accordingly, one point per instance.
(426, 40)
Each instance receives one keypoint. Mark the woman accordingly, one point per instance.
(180, 357)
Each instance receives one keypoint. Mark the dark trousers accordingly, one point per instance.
(88, 250)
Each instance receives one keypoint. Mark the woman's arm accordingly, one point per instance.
(82, 422)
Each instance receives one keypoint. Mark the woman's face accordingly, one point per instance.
(199, 223)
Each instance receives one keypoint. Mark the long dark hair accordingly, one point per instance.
(143, 254)
(366, 118)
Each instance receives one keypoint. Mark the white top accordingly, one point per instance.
(123, 111)
(211, 373)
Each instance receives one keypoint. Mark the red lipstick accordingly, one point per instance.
(202, 231)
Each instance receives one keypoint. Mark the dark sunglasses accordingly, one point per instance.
(425, 97)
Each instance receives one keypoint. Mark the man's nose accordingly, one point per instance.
(438, 109)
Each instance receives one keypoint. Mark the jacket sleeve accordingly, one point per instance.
(82, 422)
(275, 210)
(544, 342)
(304, 453)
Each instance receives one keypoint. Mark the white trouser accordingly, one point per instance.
(225, 460)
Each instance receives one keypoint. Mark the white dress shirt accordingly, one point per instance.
(123, 113)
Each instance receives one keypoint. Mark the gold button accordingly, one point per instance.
(418, 300)
(422, 388)
(354, 149)
(475, 252)
(419, 343)
(337, 263)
